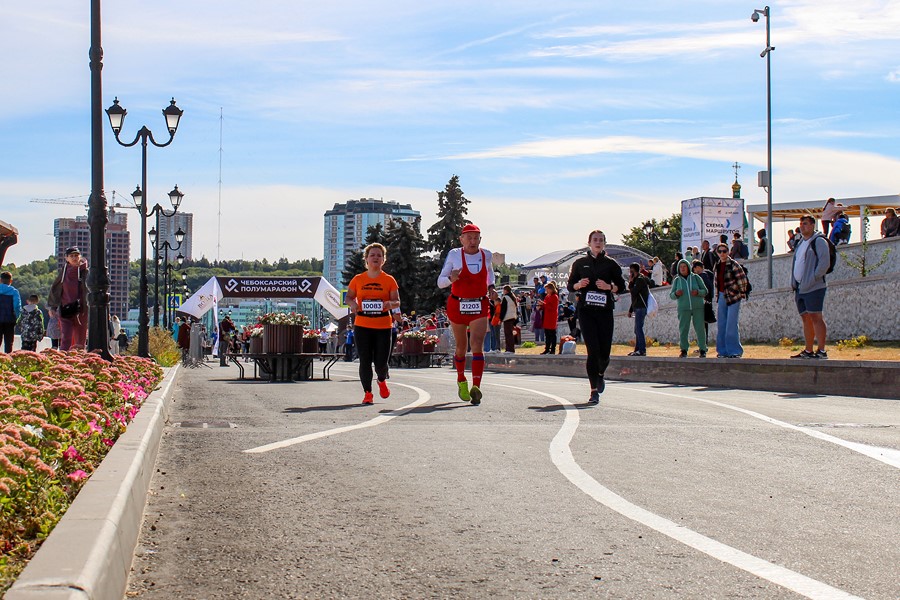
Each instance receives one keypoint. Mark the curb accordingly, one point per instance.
(88, 555)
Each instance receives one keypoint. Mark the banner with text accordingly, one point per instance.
(708, 218)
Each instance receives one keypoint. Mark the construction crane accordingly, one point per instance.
(69, 200)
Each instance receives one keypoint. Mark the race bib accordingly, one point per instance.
(372, 307)
(470, 307)
(595, 298)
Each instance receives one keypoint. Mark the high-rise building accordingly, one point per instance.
(77, 232)
(346, 226)
(167, 228)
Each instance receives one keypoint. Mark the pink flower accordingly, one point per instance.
(77, 475)
(108, 442)
(72, 453)
(94, 427)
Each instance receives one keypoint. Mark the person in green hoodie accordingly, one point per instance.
(689, 291)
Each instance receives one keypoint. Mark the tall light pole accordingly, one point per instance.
(766, 181)
(116, 119)
(166, 246)
(98, 276)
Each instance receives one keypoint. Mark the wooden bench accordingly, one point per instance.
(285, 367)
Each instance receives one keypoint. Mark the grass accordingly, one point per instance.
(836, 351)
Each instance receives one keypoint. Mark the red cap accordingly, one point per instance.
(470, 228)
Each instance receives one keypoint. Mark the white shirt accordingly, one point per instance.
(800, 257)
(473, 263)
(656, 274)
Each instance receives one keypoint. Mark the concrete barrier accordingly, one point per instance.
(88, 555)
(866, 379)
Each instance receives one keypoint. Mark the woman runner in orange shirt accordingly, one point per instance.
(372, 297)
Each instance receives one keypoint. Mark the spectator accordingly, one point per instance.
(811, 261)
(509, 315)
(657, 272)
(689, 291)
(840, 233)
(494, 322)
(550, 308)
(31, 324)
(764, 245)
(10, 309)
(673, 268)
(890, 226)
(53, 327)
(537, 322)
(829, 212)
(731, 288)
(115, 326)
(122, 341)
(738, 248)
(68, 294)
(707, 256)
(639, 287)
(709, 315)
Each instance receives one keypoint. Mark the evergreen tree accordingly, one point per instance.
(443, 236)
(404, 245)
(356, 264)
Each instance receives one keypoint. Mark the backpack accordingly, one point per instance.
(749, 285)
(845, 233)
(832, 253)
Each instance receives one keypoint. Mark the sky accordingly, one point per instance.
(558, 117)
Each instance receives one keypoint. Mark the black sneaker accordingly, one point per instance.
(683, 354)
(821, 354)
(595, 397)
(805, 354)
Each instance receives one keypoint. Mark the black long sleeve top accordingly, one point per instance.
(596, 267)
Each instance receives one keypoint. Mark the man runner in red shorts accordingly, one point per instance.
(469, 275)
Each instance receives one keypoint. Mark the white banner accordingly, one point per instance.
(708, 218)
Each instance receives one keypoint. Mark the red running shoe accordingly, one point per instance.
(383, 390)
(368, 398)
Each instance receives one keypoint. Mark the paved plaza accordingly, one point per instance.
(296, 490)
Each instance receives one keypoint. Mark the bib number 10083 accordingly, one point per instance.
(372, 307)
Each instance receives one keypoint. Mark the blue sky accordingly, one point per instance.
(558, 117)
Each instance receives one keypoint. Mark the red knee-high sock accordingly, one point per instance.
(460, 362)
(477, 369)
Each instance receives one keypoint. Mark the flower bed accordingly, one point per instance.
(60, 412)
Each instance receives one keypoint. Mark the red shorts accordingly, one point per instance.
(459, 318)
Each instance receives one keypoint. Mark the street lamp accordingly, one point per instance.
(650, 232)
(765, 179)
(165, 246)
(116, 116)
(98, 275)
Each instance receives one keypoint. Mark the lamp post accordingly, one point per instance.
(165, 246)
(766, 182)
(116, 116)
(175, 197)
(650, 232)
(98, 276)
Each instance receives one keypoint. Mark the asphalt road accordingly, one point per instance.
(659, 492)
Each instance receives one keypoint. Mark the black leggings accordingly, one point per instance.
(597, 331)
(372, 345)
(550, 341)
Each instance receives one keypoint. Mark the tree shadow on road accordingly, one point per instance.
(305, 409)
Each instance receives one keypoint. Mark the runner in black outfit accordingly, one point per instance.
(596, 278)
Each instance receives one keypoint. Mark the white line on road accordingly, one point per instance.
(561, 455)
(423, 398)
(888, 456)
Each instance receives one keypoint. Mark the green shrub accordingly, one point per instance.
(161, 345)
(528, 345)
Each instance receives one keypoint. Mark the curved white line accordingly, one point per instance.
(561, 455)
(379, 420)
(888, 456)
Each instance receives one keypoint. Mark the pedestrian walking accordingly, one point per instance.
(597, 278)
(467, 272)
(10, 309)
(811, 262)
(373, 296)
(69, 294)
(31, 324)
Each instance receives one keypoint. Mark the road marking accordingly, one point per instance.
(888, 456)
(561, 455)
(424, 397)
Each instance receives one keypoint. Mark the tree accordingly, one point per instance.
(443, 236)
(404, 250)
(356, 263)
(666, 245)
(860, 262)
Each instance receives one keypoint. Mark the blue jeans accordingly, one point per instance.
(728, 335)
(495, 337)
(640, 339)
(539, 334)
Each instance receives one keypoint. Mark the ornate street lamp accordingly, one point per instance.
(165, 246)
(116, 114)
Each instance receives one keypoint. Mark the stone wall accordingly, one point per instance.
(854, 305)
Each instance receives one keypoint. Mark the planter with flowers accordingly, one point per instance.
(413, 342)
(282, 332)
(310, 341)
(430, 343)
(256, 338)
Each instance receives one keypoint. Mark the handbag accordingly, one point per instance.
(708, 315)
(72, 309)
(652, 305)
